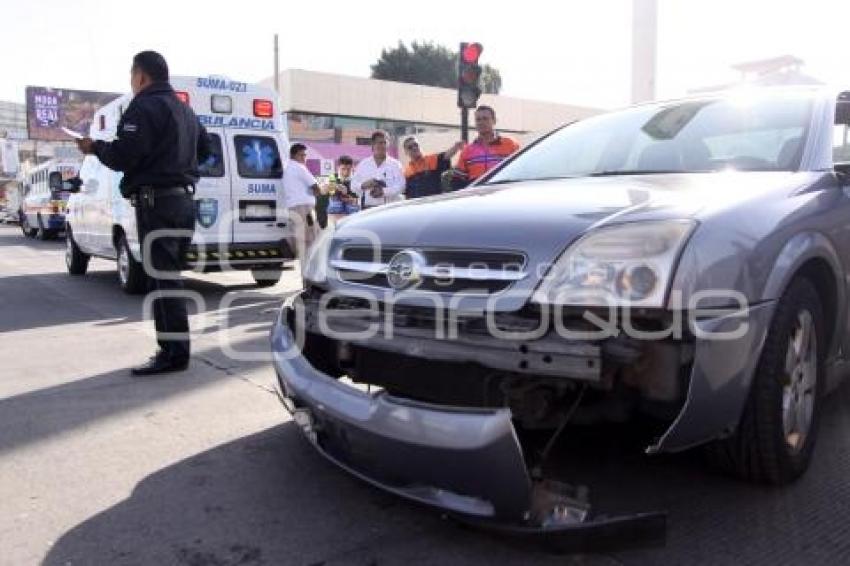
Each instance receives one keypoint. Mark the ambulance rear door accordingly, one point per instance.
(213, 194)
(255, 158)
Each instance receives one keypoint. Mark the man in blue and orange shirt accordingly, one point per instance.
(489, 148)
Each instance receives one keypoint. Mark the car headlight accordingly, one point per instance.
(623, 265)
(315, 267)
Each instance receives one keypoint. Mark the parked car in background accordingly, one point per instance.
(10, 208)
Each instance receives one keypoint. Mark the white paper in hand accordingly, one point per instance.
(73, 134)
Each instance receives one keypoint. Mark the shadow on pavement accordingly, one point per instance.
(37, 415)
(270, 499)
(53, 299)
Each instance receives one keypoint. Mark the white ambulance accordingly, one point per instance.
(241, 220)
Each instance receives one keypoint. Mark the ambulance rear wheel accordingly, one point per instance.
(131, 273)
(75, 259)
(266, 277)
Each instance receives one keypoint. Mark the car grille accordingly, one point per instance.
(446, 270)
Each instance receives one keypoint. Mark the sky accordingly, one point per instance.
(573, 52)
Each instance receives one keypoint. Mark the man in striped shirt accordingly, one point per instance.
(489, 148)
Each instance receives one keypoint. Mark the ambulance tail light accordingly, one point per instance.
(221, 104)
(263, 108)
(183, 96)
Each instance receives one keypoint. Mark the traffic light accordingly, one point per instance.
(468, 75)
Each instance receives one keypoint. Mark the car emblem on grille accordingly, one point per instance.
(405, 269)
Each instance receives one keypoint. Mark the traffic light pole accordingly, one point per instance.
(464, 124)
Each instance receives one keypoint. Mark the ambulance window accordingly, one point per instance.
(257, 157)
(214, 165)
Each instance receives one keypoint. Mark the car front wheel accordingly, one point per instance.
(76, 261)
(131, 273)
(776, 436)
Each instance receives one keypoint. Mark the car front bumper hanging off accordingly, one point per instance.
(467, 462)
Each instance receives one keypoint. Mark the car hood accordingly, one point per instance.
(538, 215)
(542, 218)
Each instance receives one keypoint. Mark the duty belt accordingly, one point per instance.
(147, 195)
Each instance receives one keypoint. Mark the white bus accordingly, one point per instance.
(44, 201)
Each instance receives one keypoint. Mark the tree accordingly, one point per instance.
(430, 65)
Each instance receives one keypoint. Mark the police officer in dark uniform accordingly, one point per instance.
(158, 144)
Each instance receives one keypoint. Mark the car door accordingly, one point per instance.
(840, 210)
(99, 211)
(79, 209)
(213, 211)
(257, 186)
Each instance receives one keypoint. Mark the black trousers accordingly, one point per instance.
(167, 253)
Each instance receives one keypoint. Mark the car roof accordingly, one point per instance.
(816, 91)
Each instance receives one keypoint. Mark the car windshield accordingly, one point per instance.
(737, 132)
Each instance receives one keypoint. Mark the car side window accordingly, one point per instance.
(841, 130)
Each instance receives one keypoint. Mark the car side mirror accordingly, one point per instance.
(55, 181)
(72, 185)
(842, 170)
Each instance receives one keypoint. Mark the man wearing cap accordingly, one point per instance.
(423, 172)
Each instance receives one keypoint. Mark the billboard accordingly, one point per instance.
(51, 109)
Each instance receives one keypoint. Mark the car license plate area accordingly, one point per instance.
(257, 211)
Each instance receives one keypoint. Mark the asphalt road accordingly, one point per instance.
(203, 468)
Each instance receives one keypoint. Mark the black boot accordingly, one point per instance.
(160, 363)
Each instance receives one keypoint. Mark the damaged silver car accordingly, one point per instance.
(683, 262)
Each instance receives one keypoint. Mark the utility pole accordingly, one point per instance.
(644, 47)
(464, 125)
(276, 66)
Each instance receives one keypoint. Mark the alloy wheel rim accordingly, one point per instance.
(799, 389)
(69, 250)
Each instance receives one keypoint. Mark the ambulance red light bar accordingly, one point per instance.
(263, 108)
(183, 96)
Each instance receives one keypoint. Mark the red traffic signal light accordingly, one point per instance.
(468, 75)
(471, 52)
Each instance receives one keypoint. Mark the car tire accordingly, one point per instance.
(131, 273)
(29, 231)
(76, 261)
(267, 277)
(776, 436)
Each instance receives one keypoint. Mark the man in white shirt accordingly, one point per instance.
(300, 189)
(378, 179)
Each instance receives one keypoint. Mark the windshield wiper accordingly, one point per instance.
(616, 172)
(525, 180)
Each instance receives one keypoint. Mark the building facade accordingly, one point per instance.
(336, 114)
